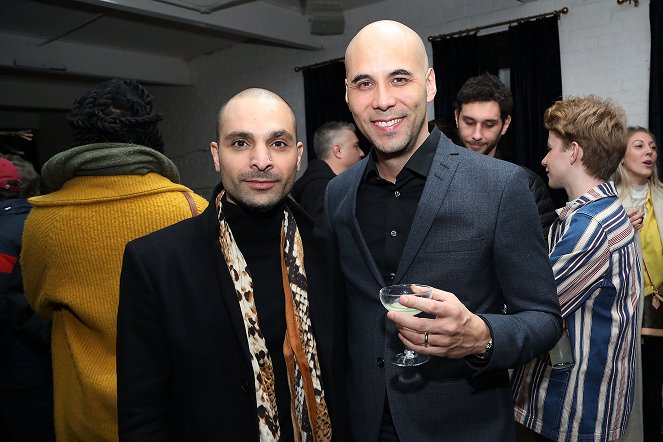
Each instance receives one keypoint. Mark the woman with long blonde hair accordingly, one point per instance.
(641, 193)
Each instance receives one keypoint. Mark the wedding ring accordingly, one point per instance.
(426, 339)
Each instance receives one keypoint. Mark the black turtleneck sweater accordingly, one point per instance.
(258, 236)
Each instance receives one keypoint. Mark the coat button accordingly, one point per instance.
(380, 362)
(245, 387)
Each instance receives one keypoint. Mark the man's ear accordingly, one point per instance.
(214, 149)
(300, 152)
(337, 151)
(456, 115)
(431, 87)
(507, 122)
(577, 152)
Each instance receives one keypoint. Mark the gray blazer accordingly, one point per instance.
(476, 233)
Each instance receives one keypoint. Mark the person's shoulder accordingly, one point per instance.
(13, 213)
(316, 171)
(487, 169)
(504, 167)
(171, 237)
(317, 164)
(14, 206)
(318, 168)
(349, 176)
(534, 178)
(199, 200)
(475, 160)
(602, 216)
(603, 209)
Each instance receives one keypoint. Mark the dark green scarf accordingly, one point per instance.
(106, 159)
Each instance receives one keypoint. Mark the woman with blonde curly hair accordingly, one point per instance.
(641, 193)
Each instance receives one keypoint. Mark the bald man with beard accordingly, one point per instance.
(419, 209)
(230, 324)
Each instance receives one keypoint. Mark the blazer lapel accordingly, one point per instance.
(348, 208)
(445, 163)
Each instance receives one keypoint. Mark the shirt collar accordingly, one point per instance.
(604, 190)
(420, 162)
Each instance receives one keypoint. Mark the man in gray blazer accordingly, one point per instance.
(419, 209)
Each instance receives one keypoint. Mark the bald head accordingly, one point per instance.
(387, 34)
(256, 152)
(258, 94)
(388, 84)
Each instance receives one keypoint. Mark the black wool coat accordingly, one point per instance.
(183, 363)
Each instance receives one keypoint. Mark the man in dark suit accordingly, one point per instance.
(337, 148)
(420, 209)
(229, 324)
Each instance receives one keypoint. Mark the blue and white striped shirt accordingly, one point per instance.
(596, 265)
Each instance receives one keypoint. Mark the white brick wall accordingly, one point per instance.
(604, 50)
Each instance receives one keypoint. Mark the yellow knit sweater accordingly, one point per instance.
(73, 243)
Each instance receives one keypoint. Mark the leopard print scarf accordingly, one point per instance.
(308, 407)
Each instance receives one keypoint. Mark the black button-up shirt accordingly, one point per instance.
(385, 210)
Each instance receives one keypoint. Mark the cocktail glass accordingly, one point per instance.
(390, 297)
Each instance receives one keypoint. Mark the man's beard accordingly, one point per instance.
(247, 203)
(489, 147)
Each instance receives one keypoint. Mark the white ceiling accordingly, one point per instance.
(76, 43)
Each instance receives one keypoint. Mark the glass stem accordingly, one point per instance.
(409, 354)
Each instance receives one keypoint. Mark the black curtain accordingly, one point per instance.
(324, 100)
(536, 83)
(656, 75)
(454, 61)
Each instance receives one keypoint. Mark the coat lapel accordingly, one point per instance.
(224, 285)
(657, 200)
(348, 208)
(435, 191)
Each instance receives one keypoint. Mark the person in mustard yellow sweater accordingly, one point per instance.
(113, 188)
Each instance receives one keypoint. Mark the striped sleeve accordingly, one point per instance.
(580, 260)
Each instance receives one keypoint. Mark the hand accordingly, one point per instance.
(455, 332)
(636, 217)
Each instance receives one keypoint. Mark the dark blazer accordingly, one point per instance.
(309, 189)
(541, 194)
(183, 362)
(476, 234)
